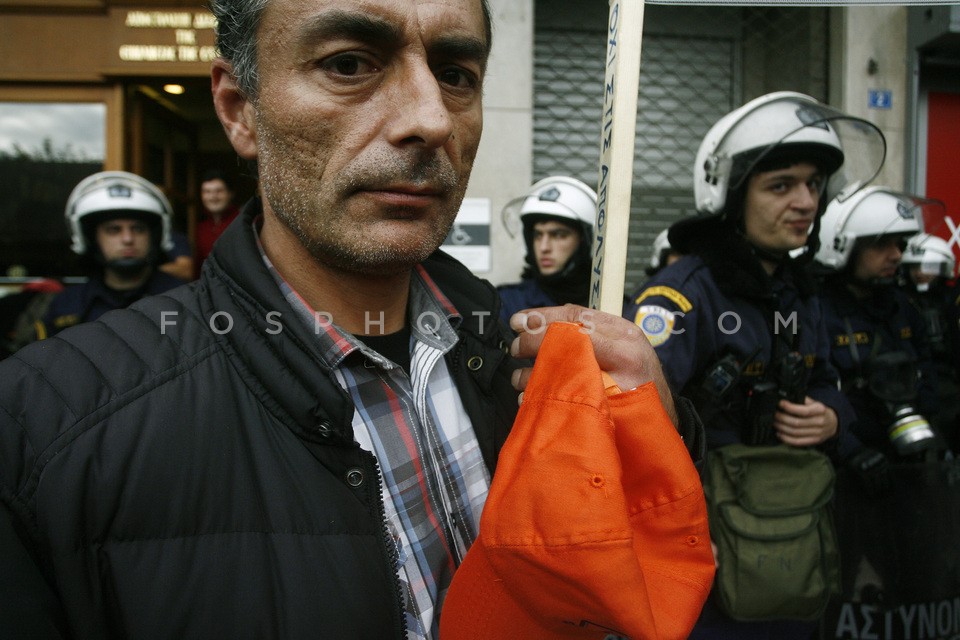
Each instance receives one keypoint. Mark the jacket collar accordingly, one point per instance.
(737, 269)
(287, 362)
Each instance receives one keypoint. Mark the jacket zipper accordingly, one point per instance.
(390, 549)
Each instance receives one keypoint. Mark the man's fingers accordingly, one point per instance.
(620, 348)
(520, 378)
(536, 320)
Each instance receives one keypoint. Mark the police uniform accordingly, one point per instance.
(939, 307)
(525, 294)
(859, 329)
(695, 314)
(90, 300)
(716, 301)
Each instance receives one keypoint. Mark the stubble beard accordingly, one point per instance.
(298, 201)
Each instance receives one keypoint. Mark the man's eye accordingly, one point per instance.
(457, 77)
(347, 65)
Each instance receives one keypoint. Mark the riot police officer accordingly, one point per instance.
(557, 216)
(662, 255)
(896, 498)
(928, 265)
(878, 342)
(735, 321)
(119, 225)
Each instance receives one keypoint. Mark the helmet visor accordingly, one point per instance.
(934, 268)
(534, 208)
(914, 214)
(849, 150)
(510, 216)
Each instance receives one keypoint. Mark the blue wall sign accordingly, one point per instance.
(880, 99)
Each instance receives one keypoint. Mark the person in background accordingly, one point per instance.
(662, 254)
(20, 311)
(928, 267)
(878, 341)
(300, 443)
(557, 216)
(891, 453)
(219, 210)
(120, 227)
(760, 184)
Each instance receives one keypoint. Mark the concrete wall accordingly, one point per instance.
(870, 53)
(503, 168)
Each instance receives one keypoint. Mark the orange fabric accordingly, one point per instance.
(595, 522)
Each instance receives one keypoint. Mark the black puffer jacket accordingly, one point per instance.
(176, 477)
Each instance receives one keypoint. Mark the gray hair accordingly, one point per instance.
(237, 24)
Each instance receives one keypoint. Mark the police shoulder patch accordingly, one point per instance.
(669, 293)
(656, 323)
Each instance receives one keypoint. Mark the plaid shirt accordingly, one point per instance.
(433, 479)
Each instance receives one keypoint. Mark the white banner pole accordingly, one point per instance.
(615, 182)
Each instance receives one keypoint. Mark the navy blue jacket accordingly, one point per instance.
(88, 301)
(695, 314)
(525, 294)
(861, 328)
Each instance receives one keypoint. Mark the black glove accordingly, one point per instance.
(872, 470)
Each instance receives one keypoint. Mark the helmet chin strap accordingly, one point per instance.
(762, 254)
(878, 282)
(127, 268)
(777, 257)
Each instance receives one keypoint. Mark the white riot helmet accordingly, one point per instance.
(661, 247)
(931, 253)
(554, 197)
(871, 213)
(780, 126)
(114, 194)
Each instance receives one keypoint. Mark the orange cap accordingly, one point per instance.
(596, 521)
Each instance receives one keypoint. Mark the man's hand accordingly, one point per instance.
(620, 347)
(804, 425)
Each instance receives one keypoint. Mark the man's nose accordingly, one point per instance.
(420, 115)
(807, 197)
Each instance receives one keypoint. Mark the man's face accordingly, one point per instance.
(553, 245)
(781, 206)
(123, 238)
(919, 276)
(879, 258)
(367, 122)
(215, 196)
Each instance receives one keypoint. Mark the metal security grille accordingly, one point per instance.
(697, 65)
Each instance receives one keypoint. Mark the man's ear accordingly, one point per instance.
(234, 109)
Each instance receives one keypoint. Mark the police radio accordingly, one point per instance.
(720, 379)
(763, 399)
(792, 378)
